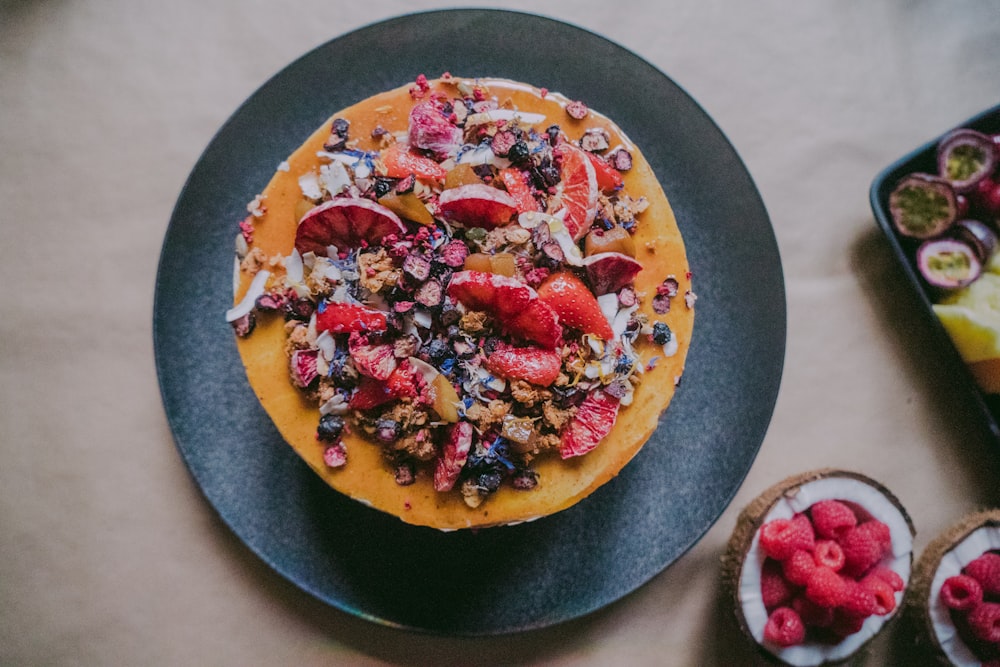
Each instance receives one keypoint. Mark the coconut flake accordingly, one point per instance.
(327, 345)
(294, 271)
(798, 500)
(334, 177)
(620, 323)
(424, 369)
(236, 275)
(493, 115)
(337, 405)
(249, 299)
(309, 185)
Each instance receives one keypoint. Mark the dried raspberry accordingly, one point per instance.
(784, 628)
(832, 518)
(961, 592)
(826, 587)
(813, 615)
(864, 546)
(986, 570)
(984, 621)
(780, 538)
(889, 576)
(774, 589)
(885, 597)
(577, 110)
(859, 599)
(829, 553)
(335, 455)
(798, 567)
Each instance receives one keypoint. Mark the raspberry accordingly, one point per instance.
(885, 597)
(832, 518)
(984, 621)
(813, 615)
(780, 538)
(889, 576)
(864, 546)
(986, 570)
(826, 588)
(859, 600)
(798, 567)
(774, 589)
(784, 628)
(829, 553)
(845, 624)
(961, 592)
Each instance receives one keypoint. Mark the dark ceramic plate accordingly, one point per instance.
(512, 578)
(924, 160)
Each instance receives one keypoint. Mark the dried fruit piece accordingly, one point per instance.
(453, 456)
(375, 361)
(429, 129)
(399, 162)
(341, 318)
(345, 223)
(616, 239)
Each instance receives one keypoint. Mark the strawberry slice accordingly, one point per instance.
(593, 421)
(575, 305)
(512, 303)
(608, 178)
(372, 393)
(345, 222)
(477, 205)
(517, 186)
(375, 361)
(533, 364)
(400, 162)
(454, 454)
(340, 318)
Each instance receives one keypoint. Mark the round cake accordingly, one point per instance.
(464, 302)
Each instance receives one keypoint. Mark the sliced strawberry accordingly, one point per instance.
(575, 304)
(594, 420)
(512, 303)
(454, 454)
(375, 361)
(345, 222)
(399, 162)
(610, 271)
(533, 364)
(517, 186)
(371, 392)
(477, 205)
(340, 318)
(608, 178)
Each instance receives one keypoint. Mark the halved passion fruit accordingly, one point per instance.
(817, 566)
(923, 206)
(955, 592)
(965, 157)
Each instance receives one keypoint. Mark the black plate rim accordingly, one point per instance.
(767, 398)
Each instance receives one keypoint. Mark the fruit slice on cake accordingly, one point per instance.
(955, 594)
(817, 565)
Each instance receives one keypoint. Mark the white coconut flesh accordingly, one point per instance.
(972, 546)
(799, 500)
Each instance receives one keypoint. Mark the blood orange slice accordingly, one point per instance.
(345, 223)
(579, 188)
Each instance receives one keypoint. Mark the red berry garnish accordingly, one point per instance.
(845, 623)
(864, 546)
(826, 587)
(784, 628)
(829, 554)
(813, 615)
(859, 600)
(986, 570)
(889, 576)
(885, 597)
(775, 591)
(984, 621)
(780, 538)
(832, 518)
(961, 592)
(798, 567)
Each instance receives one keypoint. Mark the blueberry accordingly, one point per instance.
(519, 152)
(330, 427)
(661, 333)
(436, 350)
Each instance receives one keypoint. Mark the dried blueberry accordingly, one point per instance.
(387, 430)
(661, 333)
(299, 309)
(552, 133)
(519, 152)
(405, 474)
(330, 427)
(435, 351)
(490, 480)
(382, 187)
(525, 479)
(244, 326)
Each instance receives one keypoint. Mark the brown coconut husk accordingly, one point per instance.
(917, 601)
(749, 522)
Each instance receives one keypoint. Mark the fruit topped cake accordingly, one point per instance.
(817, 565)
(464, 302)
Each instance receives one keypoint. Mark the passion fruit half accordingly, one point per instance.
(824, 599)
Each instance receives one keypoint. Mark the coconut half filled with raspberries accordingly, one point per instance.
(464, 302)
(955, 594)
(817, 565)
